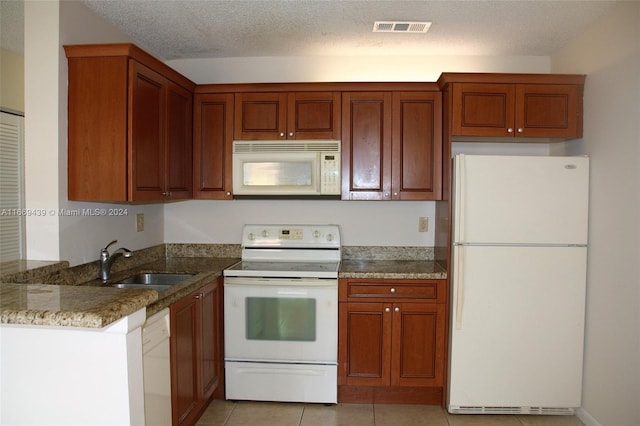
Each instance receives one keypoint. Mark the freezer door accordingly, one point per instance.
(517, 327)
(520, 200)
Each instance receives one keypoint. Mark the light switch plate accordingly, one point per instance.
(423, 224)
(139, 222)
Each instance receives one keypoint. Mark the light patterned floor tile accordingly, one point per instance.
(482, 420)
(409, 415)
(216, 413)
(337, 415)
(226, 413)
(535, 420)
(265, 414)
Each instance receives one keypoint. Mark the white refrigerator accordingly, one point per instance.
(518, 284)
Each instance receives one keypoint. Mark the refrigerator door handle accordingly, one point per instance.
(459, 287)
(460, 197)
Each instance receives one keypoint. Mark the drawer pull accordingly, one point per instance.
(393, 290)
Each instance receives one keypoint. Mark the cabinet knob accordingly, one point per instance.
(386, 194)
(282, 134)
(290, 134)
(395, 194)
(397, 309)
(393, 290)
(520, 130)
(228, 194)
(387, 309)
(198, 296)
(510, 130)
(167, 194)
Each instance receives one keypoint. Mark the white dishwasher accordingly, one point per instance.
(157, 369)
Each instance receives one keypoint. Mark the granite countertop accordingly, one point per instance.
(93, 305)
(70, 306)
(61, 301)
(391, 269)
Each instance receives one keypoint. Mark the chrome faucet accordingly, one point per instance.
(106, 260)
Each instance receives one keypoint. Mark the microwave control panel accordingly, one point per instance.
(330, 173)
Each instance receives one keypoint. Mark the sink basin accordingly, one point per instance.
(153, 280)
(157, 287)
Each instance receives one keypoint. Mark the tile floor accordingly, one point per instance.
(225, 413)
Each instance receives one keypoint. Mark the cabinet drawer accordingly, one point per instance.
(428, 290)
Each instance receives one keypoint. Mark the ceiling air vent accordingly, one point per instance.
(400, 27)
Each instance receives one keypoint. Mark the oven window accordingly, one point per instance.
(278, 318)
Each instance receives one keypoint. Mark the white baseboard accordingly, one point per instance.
(586, 418)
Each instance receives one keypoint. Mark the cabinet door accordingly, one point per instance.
(98, 88)
(417, 146)
(146, 121)
(185, 330)
(418, 344)
(313, 115)
(179, 164)
(212, 146)
(483, 110)
(209, 340)
(364, 344)
(260, 116)
(366, 145)
(548, 110)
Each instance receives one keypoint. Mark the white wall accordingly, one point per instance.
(384, 223)
(348, 68)
(41, 129)
(78, 239)
(609, 52)
(361, 222)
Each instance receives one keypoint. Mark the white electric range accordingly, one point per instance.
(281, 314)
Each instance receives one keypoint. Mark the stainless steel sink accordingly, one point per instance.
(157, 287)
(153, 280)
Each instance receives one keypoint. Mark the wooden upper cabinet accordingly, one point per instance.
(179, 142)
(416, 146)
(281, 115)
(147, 122)
(161, 123)
(391, 145)
(130, 126)
(313, 115)
(514, 105)
(212, 146)
(552, 111)
(366, 145)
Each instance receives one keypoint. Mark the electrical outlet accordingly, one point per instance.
(423, 224)
(139, 222)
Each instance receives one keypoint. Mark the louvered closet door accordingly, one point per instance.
(11, 187)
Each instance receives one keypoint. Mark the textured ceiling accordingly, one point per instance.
(172, 29)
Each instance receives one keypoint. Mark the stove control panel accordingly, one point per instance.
(309, 236)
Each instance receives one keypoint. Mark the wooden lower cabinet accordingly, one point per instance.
(392, 346)
(196, 352)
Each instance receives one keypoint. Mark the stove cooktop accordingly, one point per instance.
(247, 268)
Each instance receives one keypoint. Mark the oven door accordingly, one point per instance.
(281, 320)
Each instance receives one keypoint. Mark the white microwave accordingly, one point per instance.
(293, 168)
